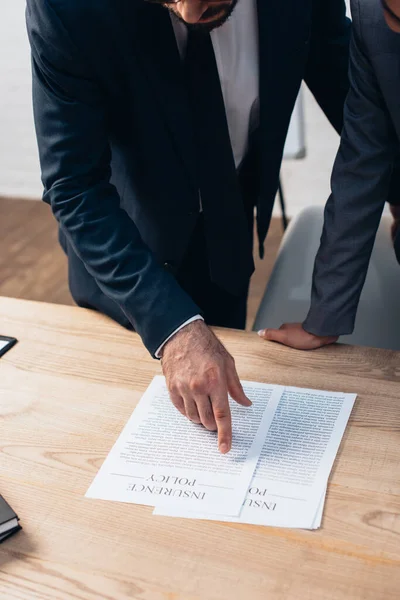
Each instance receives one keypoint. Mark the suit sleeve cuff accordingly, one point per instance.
(325, 327)
(191, 320)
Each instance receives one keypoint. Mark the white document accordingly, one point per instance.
(318, 517)
(295, 462)
(293, 521)
(161, 458)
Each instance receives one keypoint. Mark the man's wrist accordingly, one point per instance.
(160, 350)
(306, 329)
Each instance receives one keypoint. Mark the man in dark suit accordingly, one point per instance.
(361, 179)
(157, 140)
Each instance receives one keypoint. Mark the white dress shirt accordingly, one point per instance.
(236, 51)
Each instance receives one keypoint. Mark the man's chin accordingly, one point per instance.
(211, 19)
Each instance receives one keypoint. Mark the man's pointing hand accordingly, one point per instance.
(200, 374)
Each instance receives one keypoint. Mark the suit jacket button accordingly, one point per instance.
(168, 267)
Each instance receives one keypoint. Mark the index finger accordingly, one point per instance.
(222, 414)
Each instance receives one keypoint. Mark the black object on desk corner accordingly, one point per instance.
(6, 343)
(9, 520)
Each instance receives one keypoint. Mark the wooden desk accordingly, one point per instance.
(67, 389)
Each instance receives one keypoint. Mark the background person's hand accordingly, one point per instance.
(200, 373)
(294, 336)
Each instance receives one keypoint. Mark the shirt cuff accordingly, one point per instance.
(195, 318)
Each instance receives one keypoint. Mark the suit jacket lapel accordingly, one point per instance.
(284, 30)
(157, 50)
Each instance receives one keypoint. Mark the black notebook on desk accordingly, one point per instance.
(9, 521)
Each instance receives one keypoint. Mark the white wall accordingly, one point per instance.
(19, 164)
(305, 181)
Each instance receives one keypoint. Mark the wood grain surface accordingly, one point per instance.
(66, 391)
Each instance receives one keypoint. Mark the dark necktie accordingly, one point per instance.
(226, 226)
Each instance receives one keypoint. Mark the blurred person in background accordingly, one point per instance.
(365, 176)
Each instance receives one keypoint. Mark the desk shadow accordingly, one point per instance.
(16, 547)
(344, 440)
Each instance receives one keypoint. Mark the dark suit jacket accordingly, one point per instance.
(361, 180)
(115, 147)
